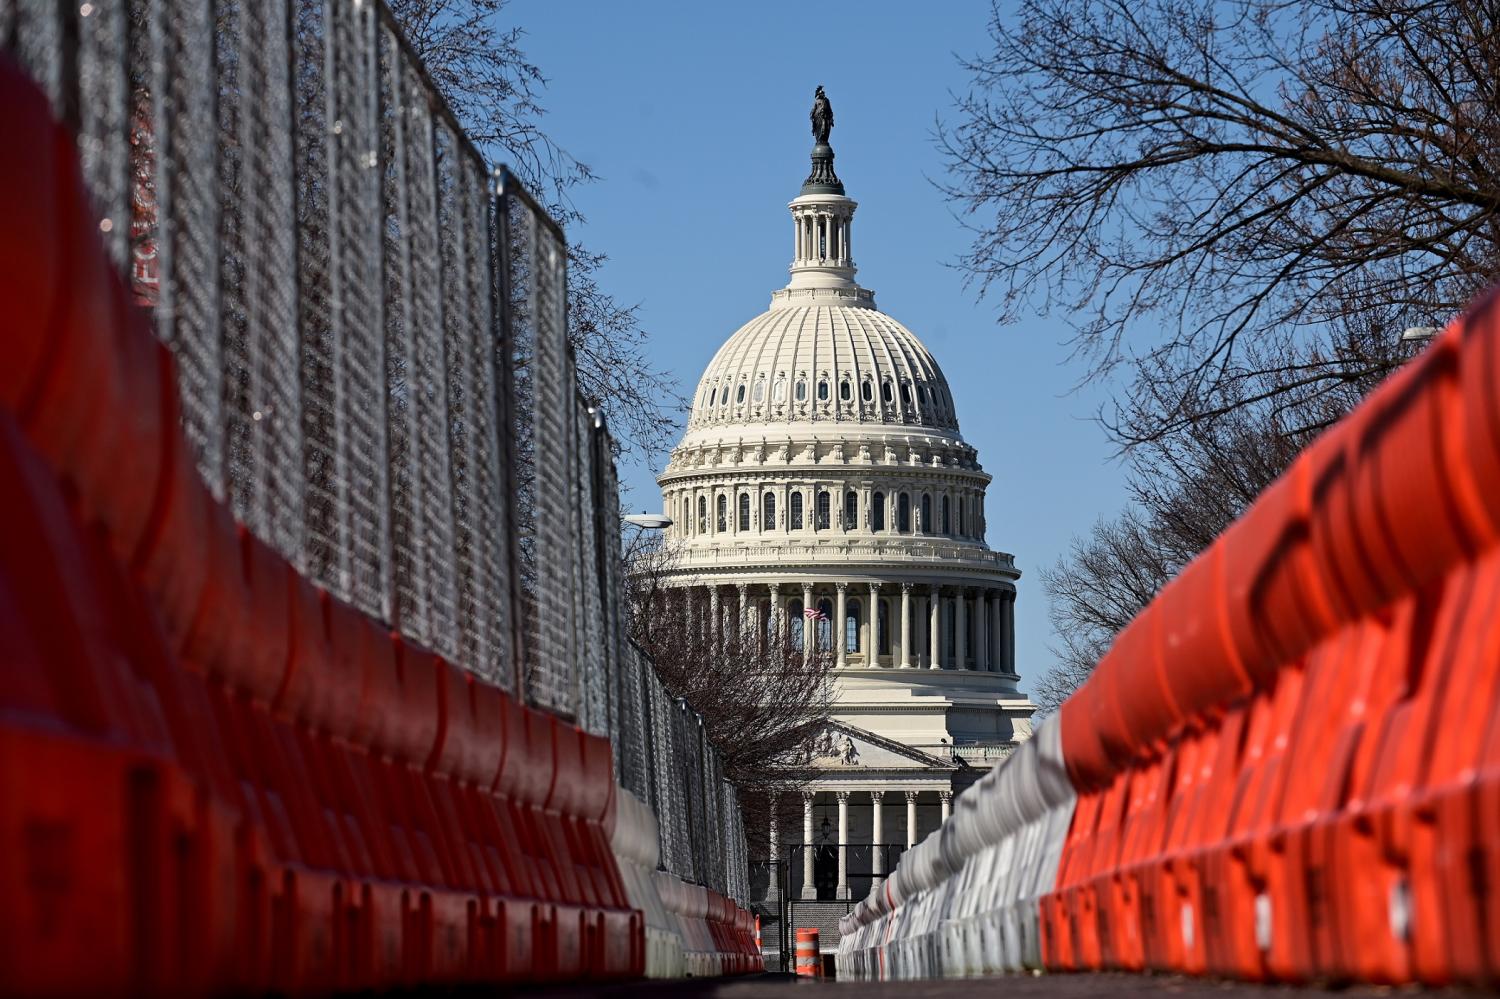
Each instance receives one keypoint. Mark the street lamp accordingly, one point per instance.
(649, 521)
(1420, 332)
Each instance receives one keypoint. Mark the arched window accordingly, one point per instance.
(851, 626)
(905, 395)
(947, 529)
(851, 510)
(824, 517)
(962, 504)
(801, 390)
(723, 510)
(797, 622)
(883, 627)
(866, 391)
(926, 514)
(903, 514)
(887, 393)
(702, 514)
(845, 392)
(825, 625)
(778, 390)
(877, 512)
(823, 391)
(796, 502)
(759, 395)
(744, 511)
(768, 511)
(739, 395)
(724, 396)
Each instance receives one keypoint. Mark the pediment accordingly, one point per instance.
(853, 748)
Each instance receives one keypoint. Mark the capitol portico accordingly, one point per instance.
(823, 487)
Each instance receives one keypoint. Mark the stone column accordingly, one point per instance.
(744, 595)
(773, 883)
(911, 819)
(872, 654)
(809, 629)
(934, 627)
(775, 630)
(906, 626)
(809, 889)
(713, 615)
(1010, 632)
(877, 837)
(997, 631)
(946, 797)
(840, 612)
(960, 631)
(843, 797)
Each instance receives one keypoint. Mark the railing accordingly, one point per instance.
(369, 325)
(907, 551)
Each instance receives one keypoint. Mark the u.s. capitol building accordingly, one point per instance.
(823, 469)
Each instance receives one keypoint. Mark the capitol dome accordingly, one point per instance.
(822, 490)
(804, 360)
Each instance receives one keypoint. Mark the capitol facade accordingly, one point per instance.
(823, 486)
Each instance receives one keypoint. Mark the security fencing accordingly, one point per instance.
(370, 333)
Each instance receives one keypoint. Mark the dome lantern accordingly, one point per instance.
(822, 216)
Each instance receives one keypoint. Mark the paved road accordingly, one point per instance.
(1011, 987)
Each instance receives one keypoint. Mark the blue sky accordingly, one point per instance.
(695, 118)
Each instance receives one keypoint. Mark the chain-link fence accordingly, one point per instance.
(370, 330)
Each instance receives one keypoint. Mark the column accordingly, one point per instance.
(773, 883)
(843, 797)
(911, 819)
(744, 594)
(809, 629)
(1009, 627)
(960, 631)
(872, 650)
(713, 615)
(934, 627)
(775, 630)
(840, 615)
(906, 626)
(997, 631)
(809, 889)
(877, 837)
(946, 797)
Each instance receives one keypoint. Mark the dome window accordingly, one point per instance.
(877, 512)
(823, 511)
(702, 515)
(866, 391)
(778, 391)
(744, 512)
(768, 511)
(887, 393)
(801, 390)
(851, 510)
(922, 393)
(796, 512)
(823, 391)
(740, 395)
(845, 392)
(722, 521)
(903, 514)
(926, 514)
(724, 396)
(711, 394)
(906, 395)
(759, 395)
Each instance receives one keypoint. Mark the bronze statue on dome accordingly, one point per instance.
(822, 116)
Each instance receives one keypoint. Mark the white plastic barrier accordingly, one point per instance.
(964, 900)
(637, 850)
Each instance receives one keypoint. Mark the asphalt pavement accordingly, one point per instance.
(778, 986)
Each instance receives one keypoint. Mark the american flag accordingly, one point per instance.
(813, 614)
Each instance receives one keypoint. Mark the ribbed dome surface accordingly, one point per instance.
(823, 362)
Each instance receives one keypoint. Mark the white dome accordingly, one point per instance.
(800, 363)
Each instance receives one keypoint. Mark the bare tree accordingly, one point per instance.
(764, 701)
(495, 90)
(1204, 178)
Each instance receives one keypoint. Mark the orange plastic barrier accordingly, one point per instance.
(216, 776)
(1288, 765)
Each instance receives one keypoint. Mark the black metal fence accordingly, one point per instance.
(370, 328)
